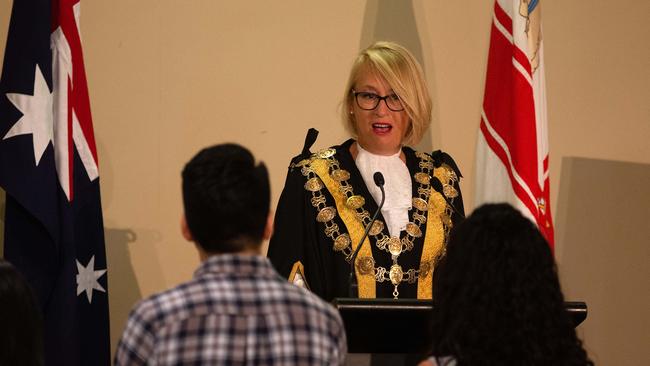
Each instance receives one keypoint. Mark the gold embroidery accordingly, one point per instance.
(437, 231)
(430, 209)
(433, 243)
(367, 288)
(425, 268)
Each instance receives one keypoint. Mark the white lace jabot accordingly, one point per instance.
(397, 186)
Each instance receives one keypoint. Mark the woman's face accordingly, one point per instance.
(381, 130)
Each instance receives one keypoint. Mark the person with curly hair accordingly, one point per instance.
(498, 299)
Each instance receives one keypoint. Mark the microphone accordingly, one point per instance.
(437, 185)
(379, 181)
(354, 285)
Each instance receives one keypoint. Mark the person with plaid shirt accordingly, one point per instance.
(237, 310)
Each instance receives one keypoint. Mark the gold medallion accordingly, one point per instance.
(449, 191)
(366, 265)
(341, 242)
(355, 202)
(324, 154)
(395, 246)
(326, 214)
(413, 230)
(420, 204)
(376, 228)
(396, 274)
(422, 178)
(340, 174)
(314, 184)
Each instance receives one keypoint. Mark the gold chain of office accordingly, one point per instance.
(393, 245)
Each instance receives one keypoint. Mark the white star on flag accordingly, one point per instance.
(87, 279)
(37, 116)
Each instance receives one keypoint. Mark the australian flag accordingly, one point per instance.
(48, 168)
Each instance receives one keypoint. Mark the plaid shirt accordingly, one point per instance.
(236, 311)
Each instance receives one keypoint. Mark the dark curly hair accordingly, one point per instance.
(498, 298)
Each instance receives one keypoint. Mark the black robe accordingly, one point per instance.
(299, 237)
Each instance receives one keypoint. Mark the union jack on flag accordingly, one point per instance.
(54, 230)
(512, 148)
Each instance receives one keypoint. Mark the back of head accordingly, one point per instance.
(226, 198)
(404, 74)
(498, 299)
(20, 320)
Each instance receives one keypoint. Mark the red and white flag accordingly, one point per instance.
(512, 147)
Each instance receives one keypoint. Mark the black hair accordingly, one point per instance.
(226, 198)
(21, 333)
(498, 300)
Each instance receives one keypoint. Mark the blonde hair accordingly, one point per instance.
(404, 75)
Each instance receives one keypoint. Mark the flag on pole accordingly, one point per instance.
(48, 168)
(512, 147)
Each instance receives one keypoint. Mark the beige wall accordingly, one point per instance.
(603, 223)
(169, 77)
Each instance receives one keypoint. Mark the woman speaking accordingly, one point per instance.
(330, 196)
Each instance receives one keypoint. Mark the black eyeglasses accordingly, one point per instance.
(369, 101)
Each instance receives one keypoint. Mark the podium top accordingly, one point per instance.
(401, 326)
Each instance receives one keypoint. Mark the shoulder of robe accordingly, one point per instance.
(306, 156)
(440, 158)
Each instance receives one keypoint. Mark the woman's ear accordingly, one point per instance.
(185, 230)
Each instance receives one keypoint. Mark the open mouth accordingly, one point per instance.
(381, 128)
